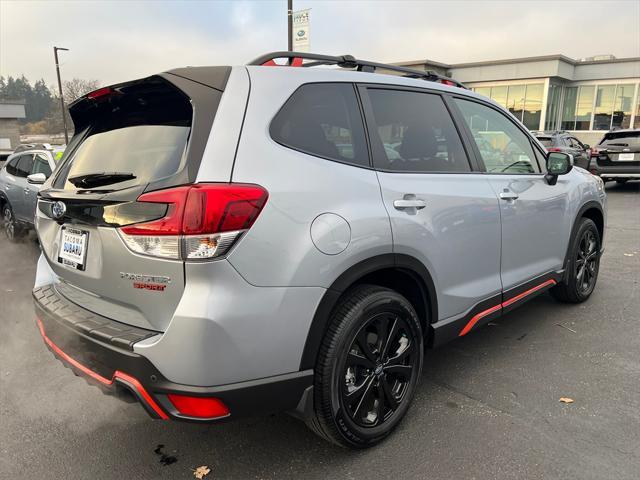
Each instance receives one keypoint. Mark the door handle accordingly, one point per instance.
(409, 203)
(508, 195)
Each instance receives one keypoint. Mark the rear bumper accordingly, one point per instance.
(114, 367)
(615, 171)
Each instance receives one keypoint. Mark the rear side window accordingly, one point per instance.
(416, 132)
(546, 141)
(323, 119)
(141, 130)
(11, 166)
(24, 166)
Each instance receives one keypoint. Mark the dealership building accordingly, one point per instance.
(554, 92)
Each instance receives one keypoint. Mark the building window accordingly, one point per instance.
(533, 106)
(577, 107)
(623, 106)
(584, 107)
(553, 107)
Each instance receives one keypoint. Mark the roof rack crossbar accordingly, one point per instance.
(348, 61)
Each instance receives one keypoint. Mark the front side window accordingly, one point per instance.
(41, 165)
(323, 119)
(24, 166)
(504, 148)
(416, 132)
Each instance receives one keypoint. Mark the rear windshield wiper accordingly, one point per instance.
(91, 180)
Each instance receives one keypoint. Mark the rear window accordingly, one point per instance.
(626, 139)
(546, 141)
(323, 119)
(141, 130)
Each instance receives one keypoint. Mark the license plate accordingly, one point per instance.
(73, 247)
(626, 157)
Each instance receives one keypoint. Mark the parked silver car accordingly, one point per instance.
(229, 241)
(20, 180)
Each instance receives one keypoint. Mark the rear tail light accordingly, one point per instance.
(597, 151)
(202, 221)
(198, 407)
(553, 149)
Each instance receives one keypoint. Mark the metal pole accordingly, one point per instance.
(290, 24)
(64, 117)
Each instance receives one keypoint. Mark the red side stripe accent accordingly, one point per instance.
(105, 381)
(477, 317)
(504, 304)
(528, 292)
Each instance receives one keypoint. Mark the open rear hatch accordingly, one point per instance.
(137, 137)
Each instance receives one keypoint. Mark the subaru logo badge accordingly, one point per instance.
(58, 210)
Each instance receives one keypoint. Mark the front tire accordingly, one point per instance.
(583, 265)
(368, 367)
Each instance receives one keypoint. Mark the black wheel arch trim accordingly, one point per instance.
(352, 275)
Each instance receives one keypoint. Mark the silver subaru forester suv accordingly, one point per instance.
(231, 241)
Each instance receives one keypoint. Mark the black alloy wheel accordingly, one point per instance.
(586, 265)
(368, 367)
(378, 369)
(582, 264)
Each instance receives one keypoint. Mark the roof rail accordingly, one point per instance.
(296, 59)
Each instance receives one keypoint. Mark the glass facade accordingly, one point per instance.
(523, 101)
(580, 107)
(553, 107)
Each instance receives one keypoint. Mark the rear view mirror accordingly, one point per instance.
(37, 178)
(558, 163)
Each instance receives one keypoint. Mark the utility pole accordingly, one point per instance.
(290, 25)
(64, 117)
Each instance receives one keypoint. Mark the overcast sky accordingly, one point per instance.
(117, 40)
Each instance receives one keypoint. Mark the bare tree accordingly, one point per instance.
(77, 87)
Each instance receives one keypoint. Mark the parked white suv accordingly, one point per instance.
(229, 241)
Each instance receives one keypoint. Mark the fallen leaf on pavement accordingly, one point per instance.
(562, 399)
(201, 472)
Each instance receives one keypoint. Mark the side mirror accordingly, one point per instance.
(586, 146)
(558, 163)
(36, 178)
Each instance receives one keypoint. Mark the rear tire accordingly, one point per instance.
(12, 229)
(368, 367)
(582, 266)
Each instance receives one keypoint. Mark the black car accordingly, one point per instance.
(617, 156)
(567, 143)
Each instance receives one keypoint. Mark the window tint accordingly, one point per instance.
(41, 165)
(24, 166)
(416, 132)
(622, 139)
(323, 119)
(546, 141)
(11, 166)
(503, 146)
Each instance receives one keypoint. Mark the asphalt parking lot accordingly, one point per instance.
(488, 405)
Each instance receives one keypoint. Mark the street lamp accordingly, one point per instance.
(64, 117)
